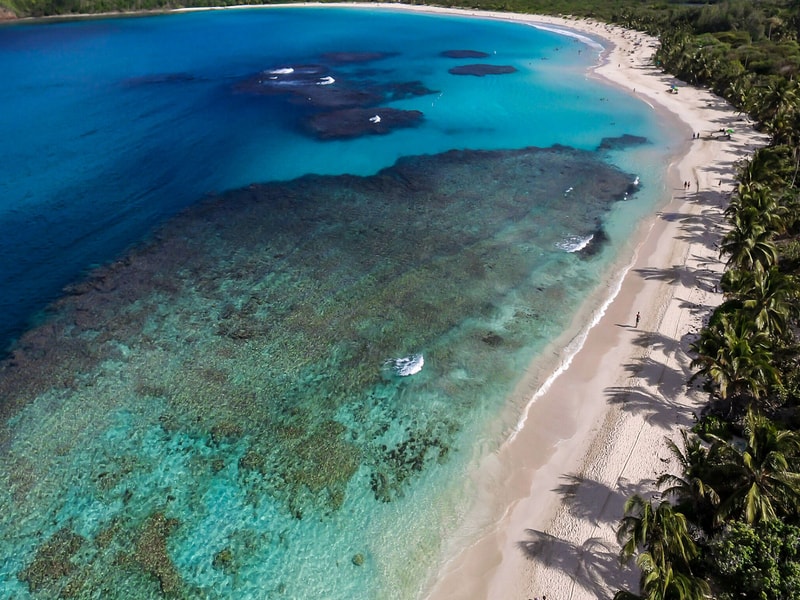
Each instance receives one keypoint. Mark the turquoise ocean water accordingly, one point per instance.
(251, 354)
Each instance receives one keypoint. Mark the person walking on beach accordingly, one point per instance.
(638, 316)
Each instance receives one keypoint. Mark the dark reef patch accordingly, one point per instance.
(356, 122)
(464, 54)
(620, 143)
(52, 563)
(404, 90)
(332, 95)
(481, 70)
(343, 58)
(151, 554)
(159, 78)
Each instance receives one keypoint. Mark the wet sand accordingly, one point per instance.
(554, 492)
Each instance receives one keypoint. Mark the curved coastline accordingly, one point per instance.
(540, 535)
(548, 501)
(594, 432)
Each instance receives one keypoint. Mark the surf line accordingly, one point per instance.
(575, 344)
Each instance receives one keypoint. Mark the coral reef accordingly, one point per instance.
(355, 122)
(238, 355)
(223, 561)
(481, 70)
(465, 54)
(52, 562)
(151, 552)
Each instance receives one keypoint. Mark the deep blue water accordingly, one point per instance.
(217, 410)
(109, 126)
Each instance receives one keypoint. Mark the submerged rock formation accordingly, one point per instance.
(465, 54)
(341, 103)
(237, 358)
(355, 122)
(481, 70)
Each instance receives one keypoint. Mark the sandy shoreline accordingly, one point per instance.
(554, 493)
(597, 435)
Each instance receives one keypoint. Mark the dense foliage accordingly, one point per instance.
(729, 523)
(737, 495)
(607, 10)
(758, 561)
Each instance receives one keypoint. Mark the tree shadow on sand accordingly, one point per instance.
(657, 341)
(678, 350)
(655, 409)
(699, 310)
(668, 381)
(595, 502)
(593, 565)
(682, 275)
(701, 229)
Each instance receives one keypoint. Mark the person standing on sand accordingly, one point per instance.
(638, 316)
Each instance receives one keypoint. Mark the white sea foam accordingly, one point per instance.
(572, 348)
(574, 243)
(326, 80)
(283, 71)
(407, 365)
(570, 33)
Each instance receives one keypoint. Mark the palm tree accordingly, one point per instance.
(696, 497)
(760, 168)
(626, 595)
(777, 103)
(748, 244)
(736, 356)
(767, 296)
(771, 166)
(779, 97)
(669, 583)
(771, 301)
(662, 531)
(672, 53)
(760, 206)
(759, 482)
(659, 538)
(745, 90)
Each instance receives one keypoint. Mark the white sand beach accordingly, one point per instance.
(555, 491)
(544, 519)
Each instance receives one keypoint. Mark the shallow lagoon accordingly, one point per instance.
(212, 413)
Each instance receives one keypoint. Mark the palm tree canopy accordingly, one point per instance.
(768, 296)
(736, 357)
(691, 488)
(662, 531)
(758, 482)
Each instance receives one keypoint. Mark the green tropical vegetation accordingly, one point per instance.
(728, 523)
(737, 493)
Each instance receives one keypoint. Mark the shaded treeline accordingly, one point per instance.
(727, 524)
